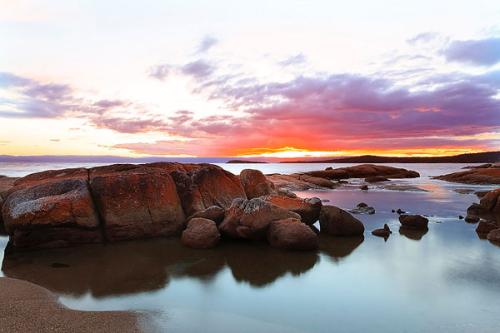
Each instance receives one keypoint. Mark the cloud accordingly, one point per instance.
(297, 59)
(482, 52)
(206, 44)
(424, 37)
(199, 69)
(160, 72)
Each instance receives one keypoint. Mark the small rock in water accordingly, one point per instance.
(414, 222)
(393, 211)
(460, 217)
(363, 208)
(58, 265)
(400, 211)
(382, 232)
(364, 188)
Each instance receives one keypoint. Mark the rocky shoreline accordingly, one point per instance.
(202, 204)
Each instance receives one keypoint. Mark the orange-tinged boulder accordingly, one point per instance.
(337, 222)
(291, 234)
(255, 183)
(308, 209)
(200, 233)
(250, 219)
(54, 214)
(137, 202)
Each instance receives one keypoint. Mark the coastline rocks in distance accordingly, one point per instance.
(200, 233)
(250, 219)
(376, 179)
(483, 175)
(55, 214)
(137, 203)
(255, 183)
(308, 209)
(291, 234)
(214, 213)
(417, 222)
(337, 222)
(372, 170)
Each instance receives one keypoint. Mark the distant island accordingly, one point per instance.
(243, 161)
(486, 157)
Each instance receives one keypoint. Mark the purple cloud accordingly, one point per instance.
(482, 52)
(206, 44)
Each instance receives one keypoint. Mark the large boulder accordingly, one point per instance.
(250, 219)
(494, 235)
(55, 214)
(484, 228)
(333, 174)
(203, 185)
(200, 233)
(366, 171)
(291, 234)
(50, 176)
(255, 183)
(137, 202)
(308, 209)
(337, 222)
(417, 222)
(214, 213)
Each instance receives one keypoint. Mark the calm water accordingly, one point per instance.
(446, 279)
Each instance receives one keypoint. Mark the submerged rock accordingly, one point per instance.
(250, 219)
(414, 222)
(308, 209)
(255, 183)
(200, 233)
(337, 222)
(291, 234)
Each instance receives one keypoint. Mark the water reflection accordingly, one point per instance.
(139, 266)
(412, 233)
(338, 248)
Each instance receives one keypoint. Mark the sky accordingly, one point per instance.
(281, 78)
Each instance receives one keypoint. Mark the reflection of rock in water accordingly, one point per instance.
(259, 264)
(411, 233)
(339, 247)
(140, 266)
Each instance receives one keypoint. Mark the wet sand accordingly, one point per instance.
(26, 307)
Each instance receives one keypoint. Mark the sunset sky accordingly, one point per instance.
(281, 78)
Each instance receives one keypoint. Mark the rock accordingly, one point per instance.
(376, 179)
(382, 232)
(291, 234)
(200, 233)
(308, 209)
(494, 235)
(372, 170)
(321, 182)
(400, 211)
(489, 175)
(472, 219)
(460, 217)
(55, 214)
(363, 208)
(363, 188)
(250, 219)
(333, 174)
(203, 185)
(337, 222)
(214, 213)
(137, 203)
(52, 175)
(483, 228)
(287, 193)
(417, 222)
(480, 194)
(255, 183)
